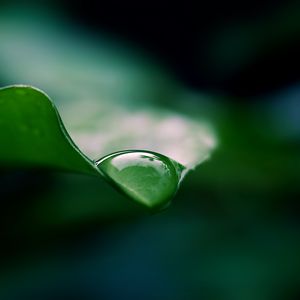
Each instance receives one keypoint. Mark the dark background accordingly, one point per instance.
(201, 41)
(181, 35)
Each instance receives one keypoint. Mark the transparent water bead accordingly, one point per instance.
(147, 177)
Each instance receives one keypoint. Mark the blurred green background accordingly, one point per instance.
(232, 231)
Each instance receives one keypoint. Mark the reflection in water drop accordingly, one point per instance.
(147, 177)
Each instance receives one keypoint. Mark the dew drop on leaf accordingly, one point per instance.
(147, 177)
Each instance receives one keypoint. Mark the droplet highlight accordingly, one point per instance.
(147, 177)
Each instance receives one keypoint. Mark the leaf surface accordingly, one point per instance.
(110, 96)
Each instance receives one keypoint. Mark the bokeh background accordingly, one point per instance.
(232, 231)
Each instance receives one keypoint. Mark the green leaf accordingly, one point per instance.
(107, 94)
(32, 134)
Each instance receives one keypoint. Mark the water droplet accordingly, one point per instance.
(147, 177)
